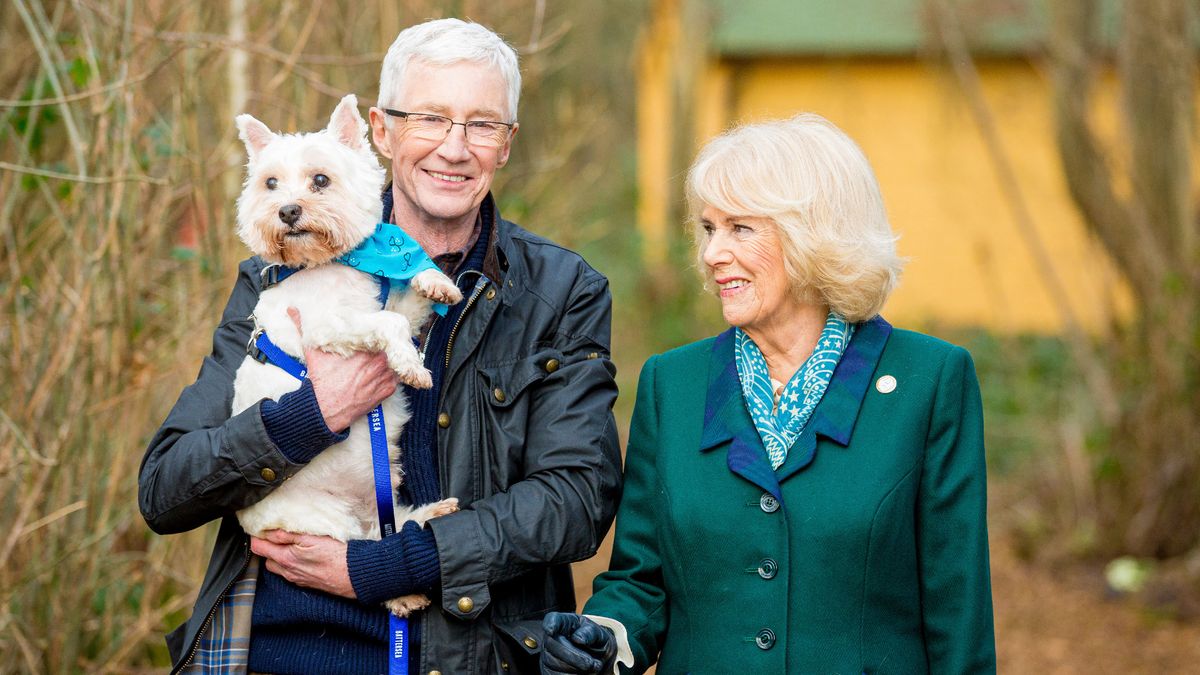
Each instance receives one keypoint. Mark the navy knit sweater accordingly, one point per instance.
(296, 630)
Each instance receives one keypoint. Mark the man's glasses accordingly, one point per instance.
(436, 128)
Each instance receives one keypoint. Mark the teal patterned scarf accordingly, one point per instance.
(780, 428)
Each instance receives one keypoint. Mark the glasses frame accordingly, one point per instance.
(404, 116)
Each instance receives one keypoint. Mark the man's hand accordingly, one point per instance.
(575, 644)
(346, 387)
(306, 560)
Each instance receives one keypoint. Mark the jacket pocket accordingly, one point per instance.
(505, 383)
(518, 646)
(505, 393)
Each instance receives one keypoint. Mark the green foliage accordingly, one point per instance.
(1029, 383)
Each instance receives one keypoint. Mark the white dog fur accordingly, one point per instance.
(339, 308)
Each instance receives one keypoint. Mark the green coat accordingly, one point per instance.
(865, 552)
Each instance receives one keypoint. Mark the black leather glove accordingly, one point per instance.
(575, 645)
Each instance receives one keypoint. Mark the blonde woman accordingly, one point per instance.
(805, 492)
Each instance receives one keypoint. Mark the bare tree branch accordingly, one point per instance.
(1137, 251)
(197, 39)
(94, 180)
(1158, 79)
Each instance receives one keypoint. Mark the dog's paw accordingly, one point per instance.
(414, 375)
(437, 287)
(427, 512)
(443, 508)
(407, 604)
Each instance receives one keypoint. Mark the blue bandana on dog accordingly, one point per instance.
(389, 252)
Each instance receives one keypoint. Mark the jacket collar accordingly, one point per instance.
(727, 421)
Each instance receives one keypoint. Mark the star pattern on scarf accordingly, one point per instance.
(779, 428)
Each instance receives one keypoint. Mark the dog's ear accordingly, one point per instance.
(254, 134)
(347, 125)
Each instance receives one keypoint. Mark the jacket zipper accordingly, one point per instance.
(211, 613)
(479, 286)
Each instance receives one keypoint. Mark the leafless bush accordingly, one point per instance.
(118, 171)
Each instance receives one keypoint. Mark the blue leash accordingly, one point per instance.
(267, 351)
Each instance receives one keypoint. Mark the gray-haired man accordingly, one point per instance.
(518, 425)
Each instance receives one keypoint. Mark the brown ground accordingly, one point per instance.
(1058, 622)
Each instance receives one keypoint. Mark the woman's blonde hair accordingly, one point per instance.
(815, 184)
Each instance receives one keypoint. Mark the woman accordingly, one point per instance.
(805, 493)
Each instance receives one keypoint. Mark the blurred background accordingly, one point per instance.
(1036, 157)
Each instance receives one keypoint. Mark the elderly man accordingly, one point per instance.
(518, 425)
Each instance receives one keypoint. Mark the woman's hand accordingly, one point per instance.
(575, 644)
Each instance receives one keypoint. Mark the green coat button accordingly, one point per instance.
(765, 639)
(768, 568)
(268, 474)
(444, 420)
(551, 365)
(465, 605)
(499, 394)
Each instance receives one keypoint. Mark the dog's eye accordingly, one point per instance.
(272, 183)
(320, 181)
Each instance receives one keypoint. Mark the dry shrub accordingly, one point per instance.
(118, 170)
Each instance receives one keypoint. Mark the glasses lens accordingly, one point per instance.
(432, 127)
(487, 133)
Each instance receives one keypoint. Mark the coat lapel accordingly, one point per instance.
(727, 421)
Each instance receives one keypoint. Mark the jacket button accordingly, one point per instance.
(444, 420)
(465, 605)
(435, 672)
(765, 639)
(551, 365)
(499, 394)
(491, 293)
(268, 474)
(530, 642)
(768, 503)
(594, 355)
(504, 665)
(768, 568)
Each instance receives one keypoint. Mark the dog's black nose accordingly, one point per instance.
(290, 214)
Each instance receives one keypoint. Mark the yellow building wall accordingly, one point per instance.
(968, 263)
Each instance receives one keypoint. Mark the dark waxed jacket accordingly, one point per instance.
(530, 450)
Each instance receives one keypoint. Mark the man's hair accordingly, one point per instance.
(444, 42)
(810, 179)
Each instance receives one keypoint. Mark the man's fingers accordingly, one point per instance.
(294, 315)
(281, 536)
(266, 549)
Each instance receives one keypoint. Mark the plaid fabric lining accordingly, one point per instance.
(225, 646)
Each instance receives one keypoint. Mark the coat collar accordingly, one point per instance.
(727, 421)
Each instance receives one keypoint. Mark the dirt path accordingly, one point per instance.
(1059, 623)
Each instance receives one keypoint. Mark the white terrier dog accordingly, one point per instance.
(308, 200)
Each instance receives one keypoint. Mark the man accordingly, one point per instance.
(518, 425)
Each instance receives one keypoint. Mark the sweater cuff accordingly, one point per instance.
(296, 425)
(402, 564)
